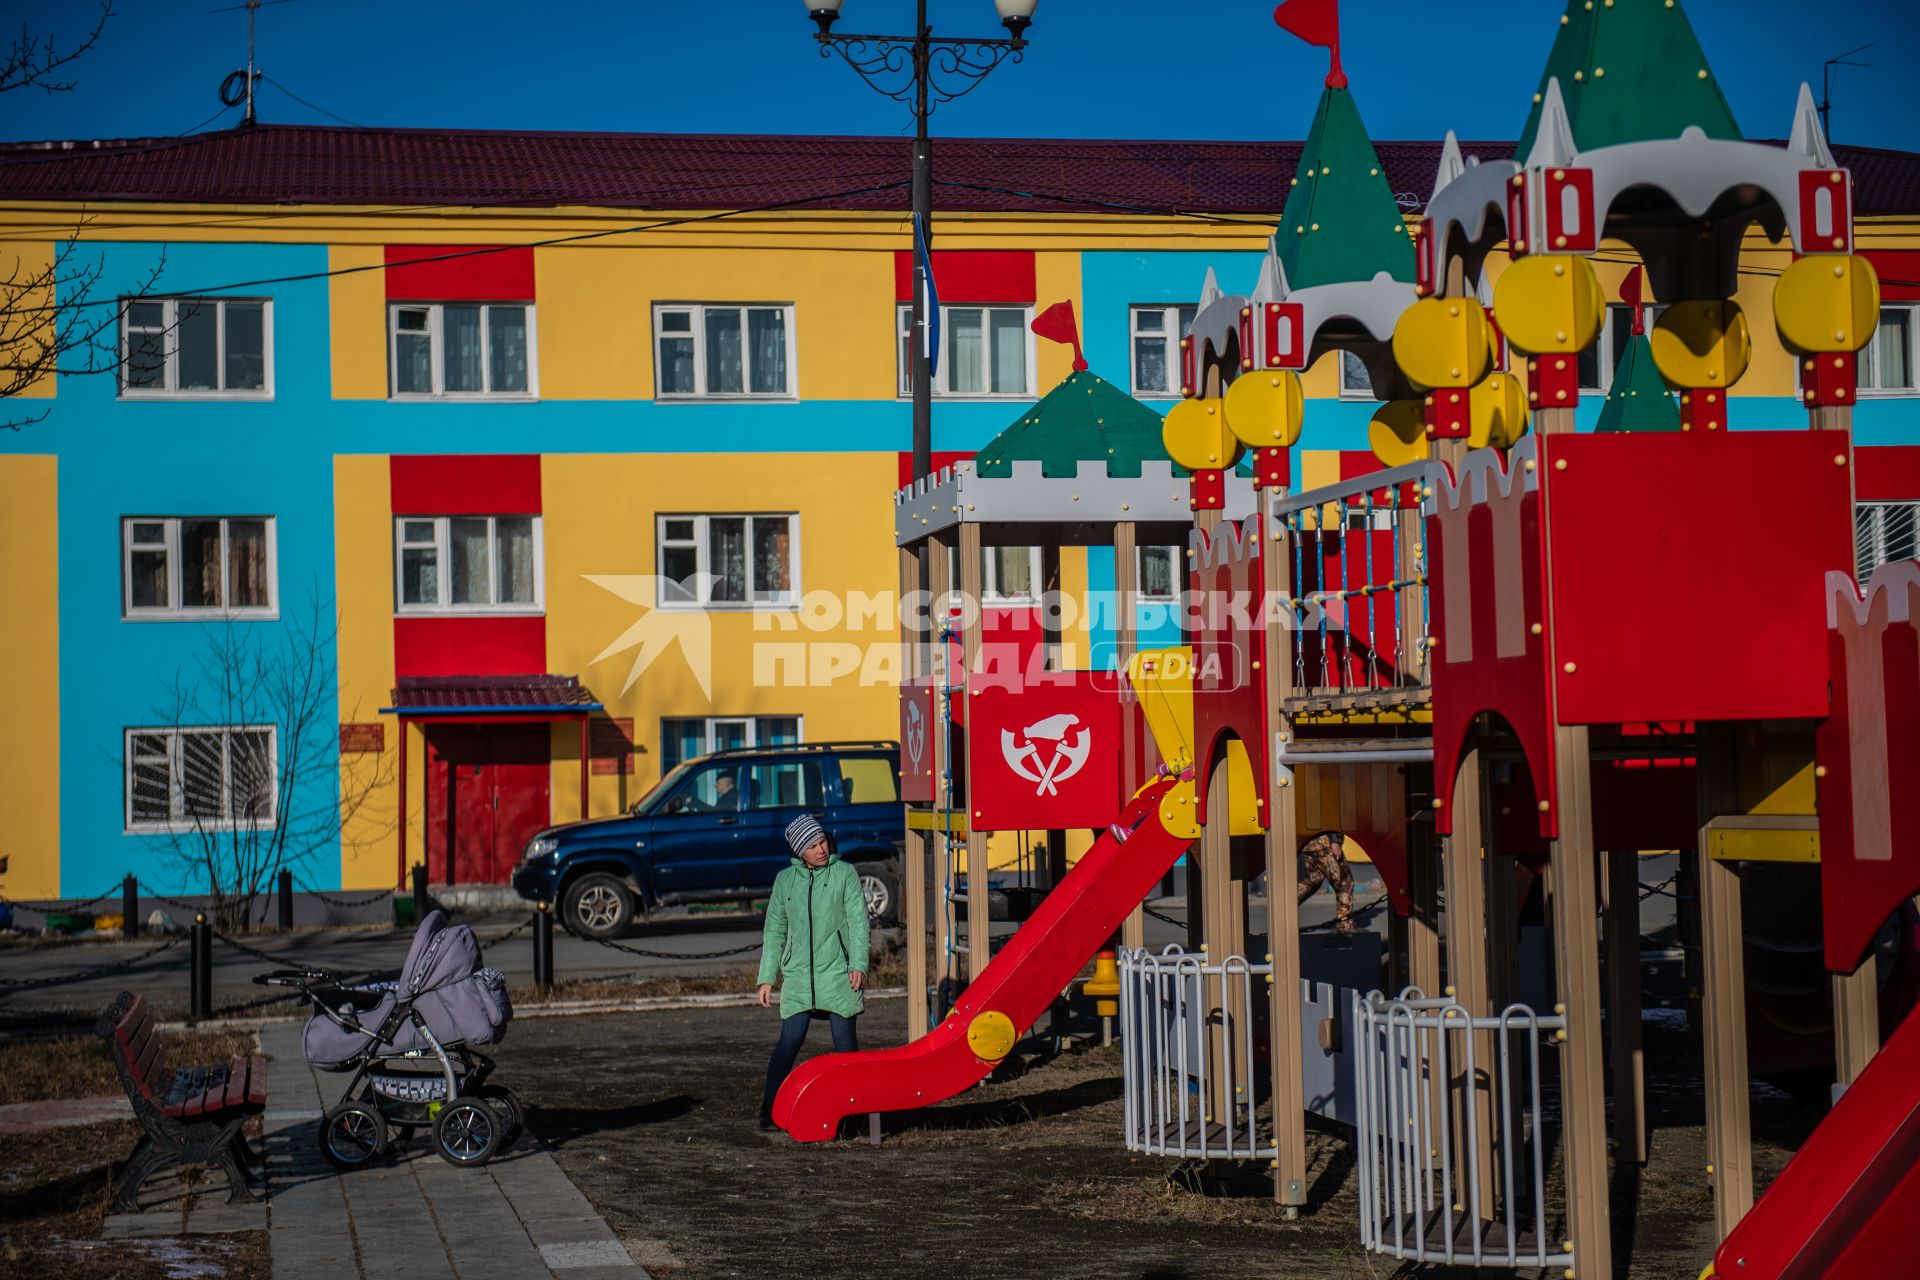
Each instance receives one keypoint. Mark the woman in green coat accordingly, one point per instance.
(815, 939)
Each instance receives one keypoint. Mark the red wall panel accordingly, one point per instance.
(1887, 473)
(1898, 269)
(502, 276)
(941, 458)
(466, 484)
(971, 275)
(455, 646)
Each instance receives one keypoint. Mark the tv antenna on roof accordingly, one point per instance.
(1827, 76)
(238, 87)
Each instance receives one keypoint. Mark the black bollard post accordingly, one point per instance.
(286, 900)
(543, 947)
(419, 892)
(130, 908)
(200, 968)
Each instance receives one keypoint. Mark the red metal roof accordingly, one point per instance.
(456, 694)
(330, 165)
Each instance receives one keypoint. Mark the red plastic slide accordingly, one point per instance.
(1073, 922)
(1848, 1202)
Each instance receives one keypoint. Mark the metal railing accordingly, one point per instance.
(1453, 1156)
(1187, 1028)
(1357, 568)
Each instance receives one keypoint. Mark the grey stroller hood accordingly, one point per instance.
(443, 981)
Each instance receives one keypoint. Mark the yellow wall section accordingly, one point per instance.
(600, 513)
(1056, 278)
(26, 263)
(30, 655)
(363, 548)
(356, 314)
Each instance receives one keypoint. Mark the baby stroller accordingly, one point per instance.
(410, 1045)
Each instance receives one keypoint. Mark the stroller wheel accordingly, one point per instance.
(513, 1115)
(352, 1134)
(467, 1132)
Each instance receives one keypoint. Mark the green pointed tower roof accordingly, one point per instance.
(1084, 419)
(1341, 222)
(1630, 71)
(1639, 399)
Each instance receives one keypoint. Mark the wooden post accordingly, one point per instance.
(1623, 1005)
(979, 896)
(939, 842)
(914, 877)
(1283, 908)
(1723, 992)
(585, 748)
(1126, 576)
(1464, 872)
(1583, 1089)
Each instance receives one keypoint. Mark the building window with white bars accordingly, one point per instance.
(1155, 330)
(685, 737)
(1884, 532)
(196, 348)
(462, 351)
(1008, 575)
(216, 778)
(1886, 363)
(198, 566)
(469, 564)
(744, 561)
(723, 351)
(985, 352)
(1163, 573)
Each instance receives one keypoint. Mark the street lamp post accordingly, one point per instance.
(924, 71)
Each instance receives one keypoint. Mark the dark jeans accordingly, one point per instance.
(793, 1033)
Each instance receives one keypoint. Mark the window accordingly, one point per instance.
(686, 737)
(450, 349)
(219, 778)
(869, 780)
(1157, 331)
(1601, 357)
(703, 351)
(1883, 532)
(1007, 574)
(195, 347)
(984, 351)
(193, 566)
(1163, 574)
(716, 561)
(1886, 363)
(785, 784)
(482, 564)
(1355, 382)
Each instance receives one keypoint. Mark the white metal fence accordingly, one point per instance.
(1188, 1030)
(1453, 1155)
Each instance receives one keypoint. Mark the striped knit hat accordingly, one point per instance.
(803, 831)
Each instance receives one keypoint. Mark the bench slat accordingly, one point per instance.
(235, 1094)
(151, 1064)
(257, 1082)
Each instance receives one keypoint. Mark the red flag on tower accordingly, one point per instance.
(1316, 22)
(1056, 324)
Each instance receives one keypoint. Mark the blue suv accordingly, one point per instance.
(713, 830)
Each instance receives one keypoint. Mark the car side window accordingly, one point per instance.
(714, 789)
(784, 784)
(869, 780)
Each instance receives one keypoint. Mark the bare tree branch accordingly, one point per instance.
(34, 60)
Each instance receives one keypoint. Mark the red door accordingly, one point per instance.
(488, 790)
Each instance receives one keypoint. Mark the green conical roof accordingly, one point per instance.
(1639, 399)
(1085, 418)
(1341, 222)
(1630, 71)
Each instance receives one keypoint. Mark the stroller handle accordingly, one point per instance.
(302, 978)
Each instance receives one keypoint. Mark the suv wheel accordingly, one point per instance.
(597, 905)
(880, 886)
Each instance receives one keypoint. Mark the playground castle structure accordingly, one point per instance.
(1563, 624)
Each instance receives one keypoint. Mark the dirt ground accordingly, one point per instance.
(653, 1116)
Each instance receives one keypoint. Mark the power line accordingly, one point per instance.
(309, 105)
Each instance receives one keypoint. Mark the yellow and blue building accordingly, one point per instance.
(495, 430)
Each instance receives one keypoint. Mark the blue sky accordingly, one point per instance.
(1096, 68)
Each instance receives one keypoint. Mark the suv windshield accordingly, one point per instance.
(663, 788)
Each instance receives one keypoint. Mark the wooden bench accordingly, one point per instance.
(191, 1115)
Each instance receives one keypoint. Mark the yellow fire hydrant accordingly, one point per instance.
(1104, 987)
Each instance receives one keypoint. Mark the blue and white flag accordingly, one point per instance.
(923, 259)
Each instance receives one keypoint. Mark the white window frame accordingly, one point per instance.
(443, 565)
(1172, 338)
(990, 574)
(904, 346)
(173, 610)
(1347, 389)
(1177, 557)
(176, 789)
(697, 312)
(1870, 533)
(169, 332)
(703, 574)
(436, 338)
(753, 731)
(1866, 357)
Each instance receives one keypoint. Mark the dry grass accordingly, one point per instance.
(57, 1187)
(81, 1067)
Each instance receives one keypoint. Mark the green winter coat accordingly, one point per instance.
(815, 935)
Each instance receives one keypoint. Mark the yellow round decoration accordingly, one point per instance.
(1550, 304)
(1498, 406)
(1702, 344)
(1398, 433)
(1827, 303)
(991, 1035)
(1196, 436)
(1443, 342)
(1264, 408)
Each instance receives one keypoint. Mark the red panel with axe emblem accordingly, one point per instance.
(917, 712)
(1045, 756)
